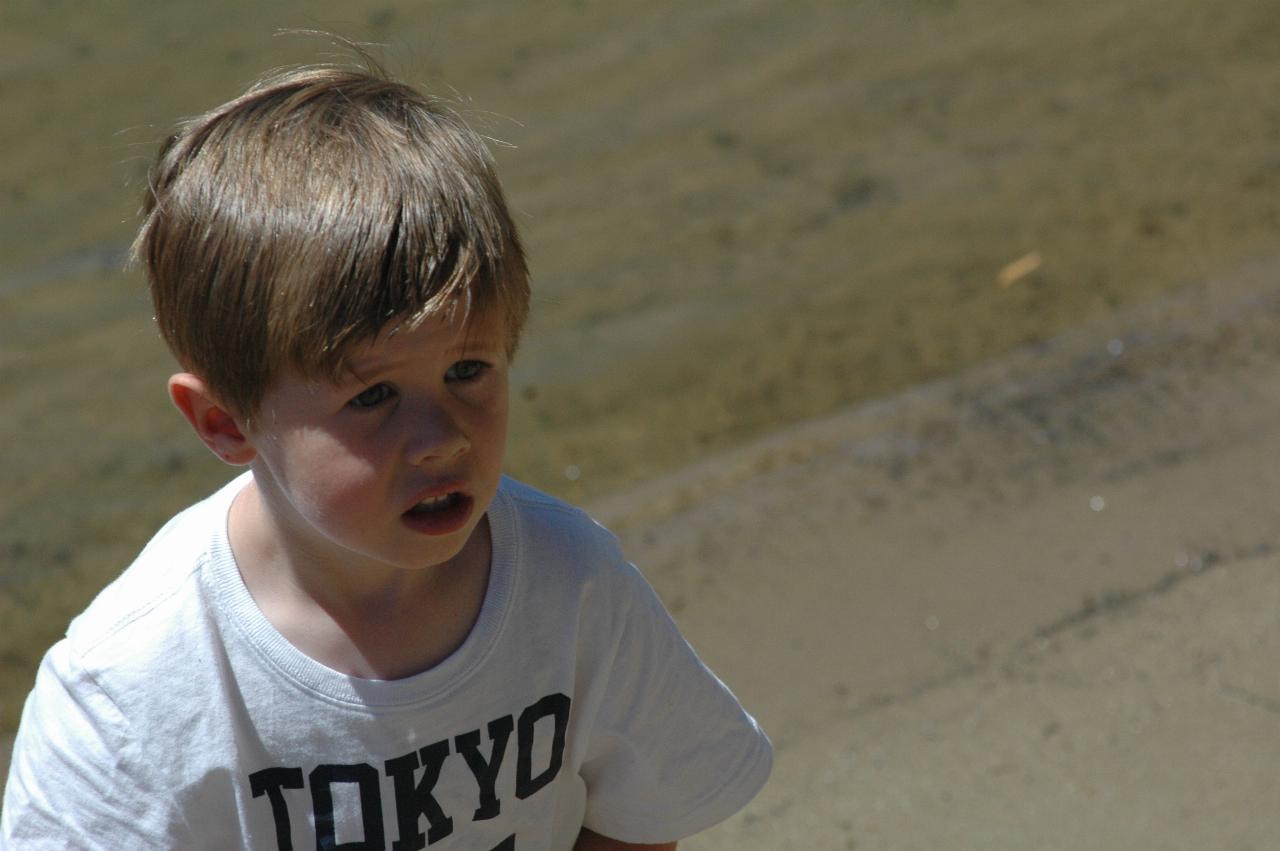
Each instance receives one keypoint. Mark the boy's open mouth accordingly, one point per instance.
(435, 504)
(440, 515)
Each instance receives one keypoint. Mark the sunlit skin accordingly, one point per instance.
(339, 466)
(327, 537)
(363, 536)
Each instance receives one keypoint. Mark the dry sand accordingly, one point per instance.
(1036, 606)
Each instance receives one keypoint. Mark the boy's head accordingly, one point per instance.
(321, 208)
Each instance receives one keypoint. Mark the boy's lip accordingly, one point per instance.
(447, 519)
(442, 488)
(453, 517)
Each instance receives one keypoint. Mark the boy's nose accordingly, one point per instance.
(434, 435)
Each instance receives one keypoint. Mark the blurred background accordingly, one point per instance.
(739, 215)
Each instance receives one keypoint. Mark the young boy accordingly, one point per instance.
(371, 639)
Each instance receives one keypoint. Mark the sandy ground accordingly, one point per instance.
(1036, 606)
(1033, 607)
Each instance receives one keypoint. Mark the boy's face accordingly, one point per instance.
(395, 464)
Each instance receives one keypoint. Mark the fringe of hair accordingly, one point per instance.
(324, 206)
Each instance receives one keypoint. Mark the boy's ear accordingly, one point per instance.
(214, 424)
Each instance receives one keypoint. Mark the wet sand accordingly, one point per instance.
(1034, 606)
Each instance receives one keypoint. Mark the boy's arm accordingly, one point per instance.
(591, 841)
(73, 779)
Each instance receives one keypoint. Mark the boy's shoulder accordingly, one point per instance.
(549, 528)
(567, 558)
(158, 587)
(535, 500)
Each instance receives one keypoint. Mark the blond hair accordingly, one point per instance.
(324, 206)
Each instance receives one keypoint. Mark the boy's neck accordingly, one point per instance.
(386, 625)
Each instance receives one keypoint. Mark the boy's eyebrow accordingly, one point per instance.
(375, 363)
(478, 344)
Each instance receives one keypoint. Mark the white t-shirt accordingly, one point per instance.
(173, 715)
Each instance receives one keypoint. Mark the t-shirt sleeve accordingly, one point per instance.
(672, 750)
(73, 782)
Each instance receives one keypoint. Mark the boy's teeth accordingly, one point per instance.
(434, 502)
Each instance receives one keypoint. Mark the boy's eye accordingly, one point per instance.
(465, 370)
(372, 397)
